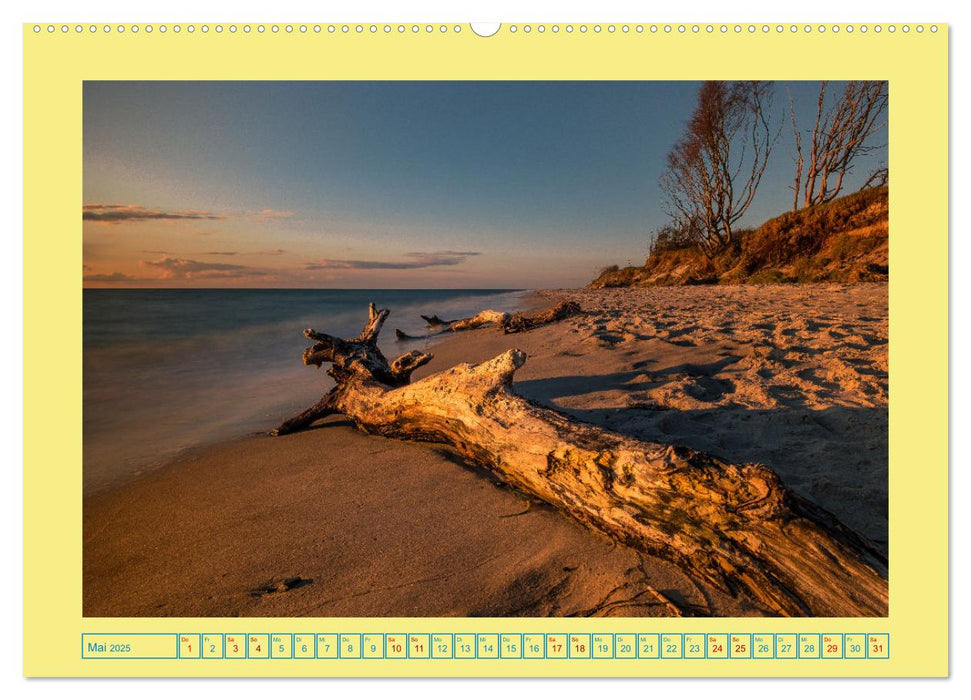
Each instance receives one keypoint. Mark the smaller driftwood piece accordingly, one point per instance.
(506, 322)
(735, 526)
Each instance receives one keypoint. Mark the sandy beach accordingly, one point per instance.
(333, 522)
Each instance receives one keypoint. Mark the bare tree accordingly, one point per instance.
(797, 137)
(878, 178)
(841, 133)
(715, 169)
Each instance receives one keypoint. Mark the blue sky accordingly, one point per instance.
(385, 184)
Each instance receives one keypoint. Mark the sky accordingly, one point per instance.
(484, 185)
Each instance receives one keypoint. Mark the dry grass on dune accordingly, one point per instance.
(845, 240)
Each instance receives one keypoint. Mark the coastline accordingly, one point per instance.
(199, 367)
(332, 522)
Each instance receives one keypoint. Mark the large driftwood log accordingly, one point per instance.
(508, 323)
(521, 322)
(734, 525)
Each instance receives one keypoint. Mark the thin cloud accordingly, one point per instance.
(417, 261)
(118, 213)
(182, 268)
(260, 253)
(112, 277)
(271, 215)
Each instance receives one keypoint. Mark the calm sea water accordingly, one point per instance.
(166, 370)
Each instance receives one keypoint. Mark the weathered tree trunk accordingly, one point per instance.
(508, 323)
(521, 322)
(734, 525)
(438, 327)
(435, 322)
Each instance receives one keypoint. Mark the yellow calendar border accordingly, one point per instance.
(56, 63)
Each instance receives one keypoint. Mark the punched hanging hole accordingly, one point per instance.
(485, 29)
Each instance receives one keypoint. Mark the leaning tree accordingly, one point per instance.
(715, 169)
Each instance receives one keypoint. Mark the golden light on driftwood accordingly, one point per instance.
(735, 526)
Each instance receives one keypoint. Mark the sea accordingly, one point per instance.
(168, 370)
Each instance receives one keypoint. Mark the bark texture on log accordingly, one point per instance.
(734, 525)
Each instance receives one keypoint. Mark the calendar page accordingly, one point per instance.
(544, 349)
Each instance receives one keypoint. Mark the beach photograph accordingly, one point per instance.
(485, 349)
